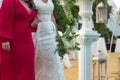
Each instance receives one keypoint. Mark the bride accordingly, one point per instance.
(47, 61)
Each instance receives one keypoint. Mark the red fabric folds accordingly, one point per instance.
(6, 19)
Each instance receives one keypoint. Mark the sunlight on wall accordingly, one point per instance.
(117, 2)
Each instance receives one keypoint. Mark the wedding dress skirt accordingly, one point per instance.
(47, 63)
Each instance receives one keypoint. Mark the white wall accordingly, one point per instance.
(112, 20)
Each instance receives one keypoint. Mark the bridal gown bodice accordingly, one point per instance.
(44, 13)
(47, 61)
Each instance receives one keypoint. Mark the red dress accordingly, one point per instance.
(15, 20)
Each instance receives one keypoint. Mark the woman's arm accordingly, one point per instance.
(35, 22)
(6, 23)
(54, 21)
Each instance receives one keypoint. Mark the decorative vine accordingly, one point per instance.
(65, 16)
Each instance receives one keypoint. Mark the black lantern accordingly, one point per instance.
(79, 26)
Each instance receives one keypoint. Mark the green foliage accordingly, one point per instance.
(60, 47)
(98, 1)
(67, 42)
(69, 37)
(60, 16)
(103, 30)
(74, 11)
(65, 14)
(71, 11)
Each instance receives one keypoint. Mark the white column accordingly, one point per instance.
(87, 36)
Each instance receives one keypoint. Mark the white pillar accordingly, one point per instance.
(87, 36)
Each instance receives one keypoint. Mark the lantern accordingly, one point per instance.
(80, 24)
(101, 67)
(101, 13)
(118, 17)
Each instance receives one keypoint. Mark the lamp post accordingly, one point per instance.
(86, 37)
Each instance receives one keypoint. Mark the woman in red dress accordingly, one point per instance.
(17, 19)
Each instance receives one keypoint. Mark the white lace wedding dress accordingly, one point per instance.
(47, 61)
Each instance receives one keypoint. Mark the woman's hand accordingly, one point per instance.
(35, 22)
(6, 46)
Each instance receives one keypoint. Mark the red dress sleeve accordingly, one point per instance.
(6, 19)
(33, 16)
